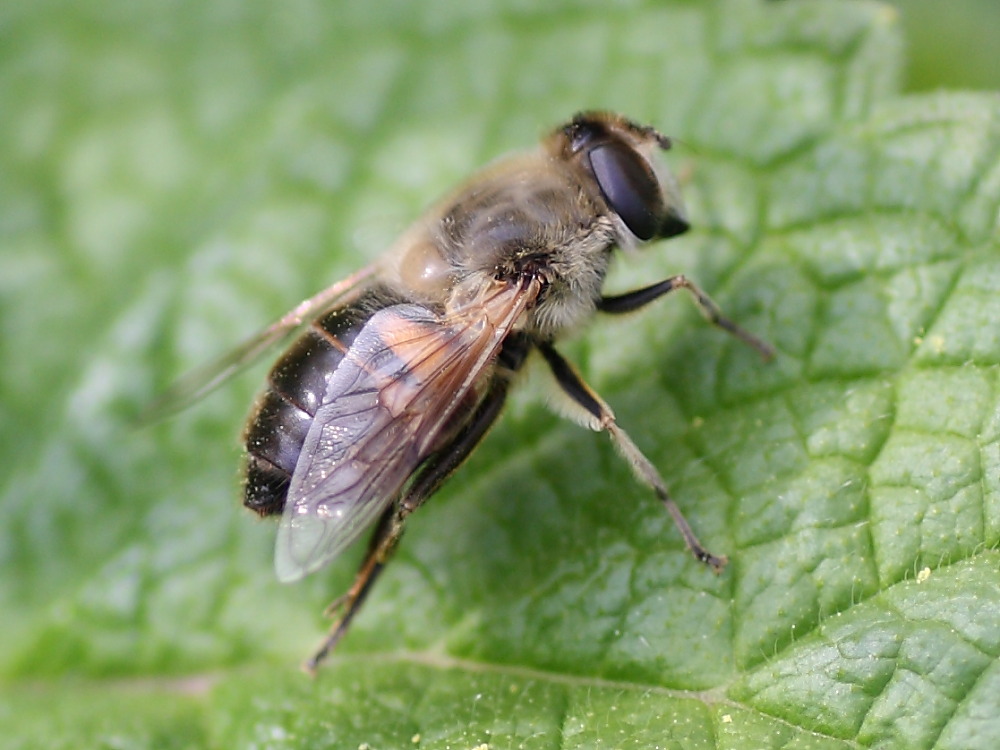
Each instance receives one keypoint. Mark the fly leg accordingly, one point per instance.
(431, 475)
(631, 301)
(600, 417)
(384, 537)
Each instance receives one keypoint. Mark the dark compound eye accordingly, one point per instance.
(629, 187)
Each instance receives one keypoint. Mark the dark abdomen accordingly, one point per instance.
(284, 412)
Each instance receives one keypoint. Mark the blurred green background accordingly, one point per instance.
(951, 44)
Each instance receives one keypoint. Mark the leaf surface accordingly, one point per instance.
(177, 176)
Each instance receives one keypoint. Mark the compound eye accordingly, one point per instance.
(629, 187)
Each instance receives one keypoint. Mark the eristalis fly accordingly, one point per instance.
(402, 368)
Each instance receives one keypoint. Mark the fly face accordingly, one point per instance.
(401, 369)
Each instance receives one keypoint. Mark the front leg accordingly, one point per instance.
(631, 301)
(602, 418)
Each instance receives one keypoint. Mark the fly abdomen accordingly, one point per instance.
(283, 414)
(275, 434)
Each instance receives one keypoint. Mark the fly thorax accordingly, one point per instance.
(572, 277)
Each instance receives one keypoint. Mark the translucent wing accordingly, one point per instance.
(397, 395)
(202, 381)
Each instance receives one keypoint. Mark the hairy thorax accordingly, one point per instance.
(525, 219)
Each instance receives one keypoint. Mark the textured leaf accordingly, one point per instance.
(175, 176)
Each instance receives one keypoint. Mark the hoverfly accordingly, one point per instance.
(402, 368)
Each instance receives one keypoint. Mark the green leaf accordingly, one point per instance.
(175, 176)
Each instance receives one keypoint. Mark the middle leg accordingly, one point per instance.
(600, 417)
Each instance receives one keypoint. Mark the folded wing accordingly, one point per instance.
(399, 393)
